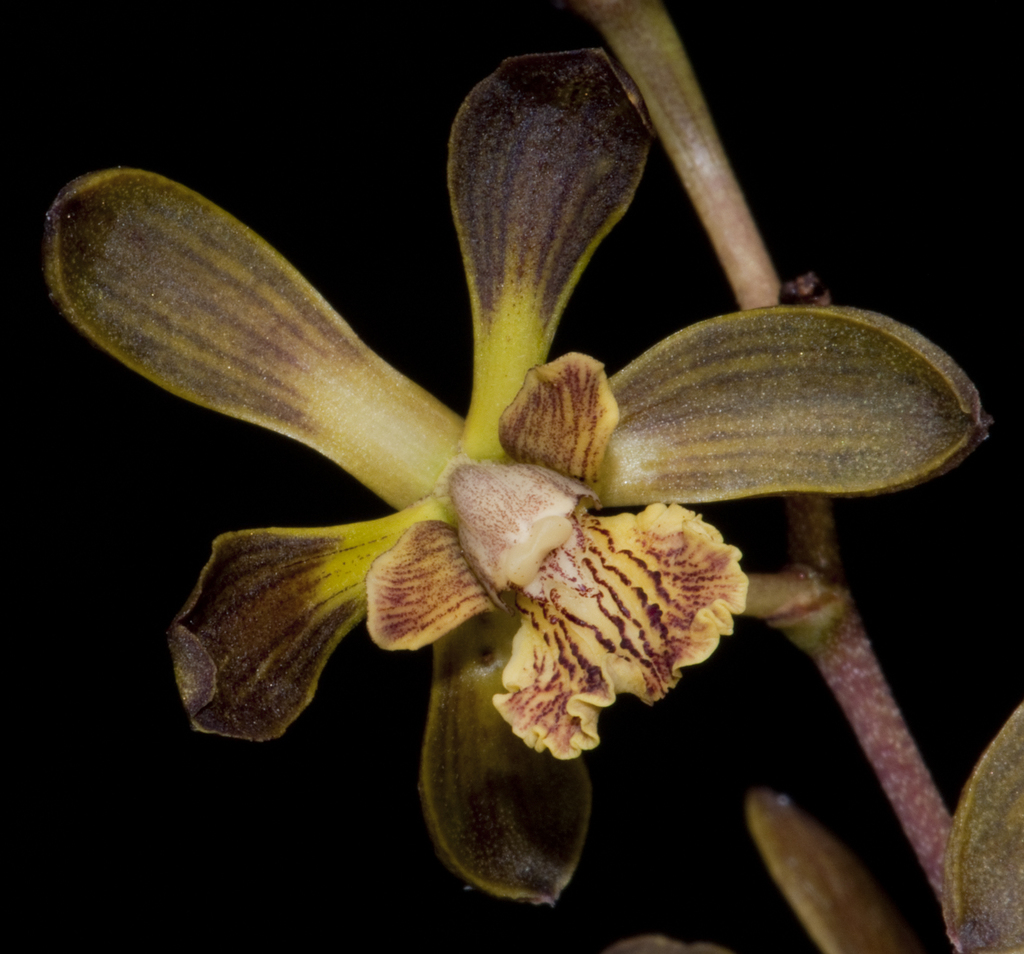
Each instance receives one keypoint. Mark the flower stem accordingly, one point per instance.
(642, 36)
(850, 668)
(809, 602)
(820, 617)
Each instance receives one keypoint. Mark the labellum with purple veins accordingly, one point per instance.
(607, 604)
(539, 611)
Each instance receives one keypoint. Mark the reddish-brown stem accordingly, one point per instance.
(850, 668)
(842, 652)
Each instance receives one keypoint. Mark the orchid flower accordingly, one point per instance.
(540, 611)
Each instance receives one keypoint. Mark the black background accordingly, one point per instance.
(872, 151)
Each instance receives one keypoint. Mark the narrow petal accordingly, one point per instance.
(621, 609)
(839, 903)
(269, 609)
(186, 295)
(788, 400)
(503, 818)
(544, 158)
(984, 872)
(422, 588)
(562, 418)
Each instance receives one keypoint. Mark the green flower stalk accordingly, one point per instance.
(540, 611)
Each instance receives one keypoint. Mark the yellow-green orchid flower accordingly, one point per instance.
(540, 611)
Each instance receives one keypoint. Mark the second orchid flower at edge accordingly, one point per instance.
(492, 537)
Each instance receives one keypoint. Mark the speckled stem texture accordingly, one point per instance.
(850, 668)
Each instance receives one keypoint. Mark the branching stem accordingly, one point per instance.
(809, 602)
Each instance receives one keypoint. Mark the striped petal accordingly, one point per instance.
(621, 607)
(544, 158)
(178, 290)
(562, 418)
(788, 400)
(269, 609)
(421, 588)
